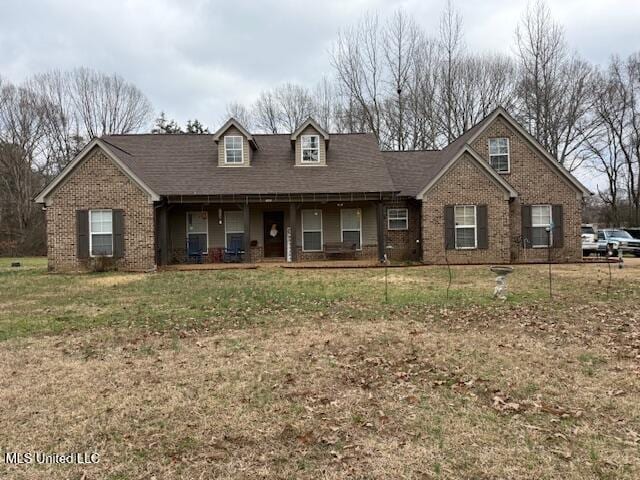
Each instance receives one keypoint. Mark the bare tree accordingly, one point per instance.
(324, 100)
(295, 105)
(22, 127)
(555, 88)
(451, 46)
(241, 113)
(266, 113)
(605, 156)
(107, 103)
(400, 40)
(357, 60)
(422, 106)
(64, 133)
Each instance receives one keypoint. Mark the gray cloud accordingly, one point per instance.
(193, 57)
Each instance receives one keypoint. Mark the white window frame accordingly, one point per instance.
(303, 149)
(206, 232)
(539, 225)
(508, 170)
(100, 233)
(226, 159)
(304, 249)
(475, 227)
(342, 229)
(406, 218)
(227, 232)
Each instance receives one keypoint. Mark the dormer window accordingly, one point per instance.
(499, 154)
(233, 149)
(310, 148)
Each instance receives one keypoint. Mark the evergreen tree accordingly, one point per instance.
(164, 126)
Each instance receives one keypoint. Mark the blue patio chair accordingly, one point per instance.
(235, 248)
(195, 248)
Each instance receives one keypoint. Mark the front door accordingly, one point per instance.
(273, 234)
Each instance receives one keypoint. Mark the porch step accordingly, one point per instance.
(272, 260)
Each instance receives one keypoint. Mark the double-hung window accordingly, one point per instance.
(351, 226)
(499, 154)
(233, 228)
(101, 233)
(466, 226)
(541, 226)
(397, 219)
(312, 230)
(197, 232)
(310, 148)
(233, 149)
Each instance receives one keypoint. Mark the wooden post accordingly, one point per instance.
(247, 233)
(380, 222)
(293, 225)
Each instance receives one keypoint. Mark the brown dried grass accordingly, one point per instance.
(516, 393)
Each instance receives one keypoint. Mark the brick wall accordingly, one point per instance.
(98, 183)
(536, 182)
(404, 242)
(465, 183)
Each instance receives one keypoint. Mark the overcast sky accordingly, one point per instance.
(193, 57)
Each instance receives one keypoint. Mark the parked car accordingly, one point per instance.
(589, 240)
(615, 240)
(633, 231)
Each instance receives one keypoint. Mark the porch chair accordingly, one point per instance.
(195, 249)
(235, 248)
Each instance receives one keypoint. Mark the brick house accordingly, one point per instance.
(493, 195)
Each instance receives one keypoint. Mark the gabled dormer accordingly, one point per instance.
(310, 142)
(235, 145)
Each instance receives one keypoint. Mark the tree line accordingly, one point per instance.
(411, 88)
(419, 90)
(44, 123)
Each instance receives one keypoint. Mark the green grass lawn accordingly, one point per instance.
(280, 373)
(33, 302)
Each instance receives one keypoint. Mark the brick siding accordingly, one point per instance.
(98, 183)
(405, 243)
(465, 184)
(536, 182)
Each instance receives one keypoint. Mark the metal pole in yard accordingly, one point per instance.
(386, 283)
(549, 260)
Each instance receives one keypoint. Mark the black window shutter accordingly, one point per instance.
(82, 234)
(558, 226)
(483, 227)
(449, 228)
(526, 226)
(118, 233)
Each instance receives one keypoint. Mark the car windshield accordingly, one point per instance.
(619, 234)
(587, 230)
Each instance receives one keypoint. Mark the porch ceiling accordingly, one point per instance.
(282, 198)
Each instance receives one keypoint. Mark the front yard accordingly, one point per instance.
(275, 373)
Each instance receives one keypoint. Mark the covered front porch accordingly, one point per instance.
(259, 230)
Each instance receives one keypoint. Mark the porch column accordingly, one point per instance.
(247, 233)
(163, 235)
(380, 222)
(293, 225)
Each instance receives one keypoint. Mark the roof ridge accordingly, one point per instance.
(181, 134)
(413, 151)
(116, 146)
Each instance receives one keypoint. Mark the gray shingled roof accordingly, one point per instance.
(188, 165)
(412, 170)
